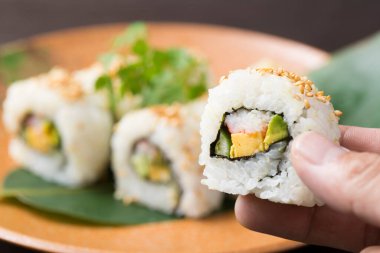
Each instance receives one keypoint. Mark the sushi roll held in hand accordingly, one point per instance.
(248, 127)
(58, 133)
(155, 161)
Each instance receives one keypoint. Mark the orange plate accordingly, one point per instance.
(225, 49)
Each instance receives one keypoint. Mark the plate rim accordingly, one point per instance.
(322, 53)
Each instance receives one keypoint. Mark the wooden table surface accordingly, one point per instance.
(327, 24)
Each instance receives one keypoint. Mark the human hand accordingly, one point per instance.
(346, 179)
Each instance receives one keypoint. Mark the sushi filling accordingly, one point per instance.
(150, 164)
(40, 134)
(244, 133)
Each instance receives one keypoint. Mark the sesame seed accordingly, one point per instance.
(296, 78)
(338, 113)
(305, 85)
(61, 81)
(320, 93)
(307, 104)
(297, 97)
(309, 82)
(322, 99)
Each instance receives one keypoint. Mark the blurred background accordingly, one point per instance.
(326, 24)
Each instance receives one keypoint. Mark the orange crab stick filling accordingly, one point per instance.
(248, 144)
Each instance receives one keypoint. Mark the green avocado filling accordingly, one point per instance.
(223, 145)
(240, 145)
(40, 134)
(150, 164)
(277, 131)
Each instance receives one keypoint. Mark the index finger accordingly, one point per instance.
(317, 225)
(360, 139)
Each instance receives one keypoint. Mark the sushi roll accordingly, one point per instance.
(58, 132)
(248, 127)
(155, 161)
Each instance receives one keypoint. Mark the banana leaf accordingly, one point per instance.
(352, 78)
(94, 204)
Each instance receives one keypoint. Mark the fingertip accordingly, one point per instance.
(310, 150)
(243, 210)
(372, 249)
(298, 157)
(299, 141)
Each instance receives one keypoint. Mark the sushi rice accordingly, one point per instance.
(175, 131)
(244, 103)
(59, 133)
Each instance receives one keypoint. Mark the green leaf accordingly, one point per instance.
(158, 76)
(196, 91)
(12, 59)
(134, 32)
(140, 47)
(106, 59)
(21, 60)
(102, 82)
(352, 78)
(132, 78)
(95, 204)
(105, 82)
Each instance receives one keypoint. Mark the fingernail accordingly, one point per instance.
(315, 149)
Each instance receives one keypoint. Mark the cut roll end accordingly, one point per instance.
(248, 127)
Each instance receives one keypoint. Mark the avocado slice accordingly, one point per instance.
(141, 165)
(223, 146)
(277, 131)
(155, 171)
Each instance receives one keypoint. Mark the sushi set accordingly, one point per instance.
(176, 154)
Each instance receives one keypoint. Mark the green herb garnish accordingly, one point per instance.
(105, 82)
(21, 60)
(157, 76)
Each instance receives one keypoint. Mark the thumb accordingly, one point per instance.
(372, 249)
(346, 181)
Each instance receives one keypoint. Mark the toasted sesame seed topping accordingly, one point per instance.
(302, 89)
(171, 113)
(307, 104)
(338, 113)
(322, 99)
(297, 97)
(308, 82)
(306, 86)
(320, 93)
(62, 82)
